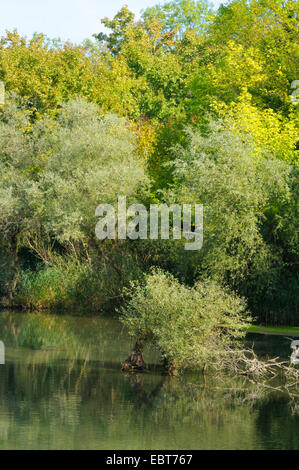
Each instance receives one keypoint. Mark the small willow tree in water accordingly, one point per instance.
(190, 326)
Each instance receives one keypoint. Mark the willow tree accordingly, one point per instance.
(190, 326)
(54, 173)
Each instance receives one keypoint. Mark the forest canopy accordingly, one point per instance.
(186, 105)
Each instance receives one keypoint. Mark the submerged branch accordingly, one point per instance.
(262, 372)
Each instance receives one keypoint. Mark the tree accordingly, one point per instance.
(270, 28)
(47, 74)
(181, 16)
(157, 72)
(55, 172)
(122, 20)
(249, 200)
(190, 326)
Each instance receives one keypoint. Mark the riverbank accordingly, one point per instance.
(275, 330)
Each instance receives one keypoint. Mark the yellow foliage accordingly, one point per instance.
(47, 74)
(270, 131)
(146, 133)
(240, 67)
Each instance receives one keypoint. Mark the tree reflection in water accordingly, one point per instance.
(62, 388)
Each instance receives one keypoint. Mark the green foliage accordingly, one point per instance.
(118, 25)
(181, 15)
(75, 286)
(271, 132)
(190, 326)
(270, 27)
(84, 124)
(56, 172)
(37, 332)
(46, 74)
(245, 195)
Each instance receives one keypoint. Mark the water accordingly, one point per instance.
(61, 388)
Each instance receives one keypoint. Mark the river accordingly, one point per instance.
(61, 388)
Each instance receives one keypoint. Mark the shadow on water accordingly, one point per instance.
(61, 388)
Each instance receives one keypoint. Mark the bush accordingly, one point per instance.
(54, 173)
(75, 286)
(190, 326)
(250, 223)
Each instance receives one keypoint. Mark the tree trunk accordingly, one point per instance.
(170, 367)
(135, 362)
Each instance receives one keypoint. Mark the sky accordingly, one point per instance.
(72, 20)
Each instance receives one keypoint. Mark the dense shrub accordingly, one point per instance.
(250, 221)
(190, 326)
(74, 286)
(53, 175)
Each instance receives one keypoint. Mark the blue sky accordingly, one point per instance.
(68, 19)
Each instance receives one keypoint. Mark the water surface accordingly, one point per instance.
(61, 388)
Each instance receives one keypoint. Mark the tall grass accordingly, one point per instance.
(72, 286)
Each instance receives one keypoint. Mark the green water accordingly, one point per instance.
(61, 388)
